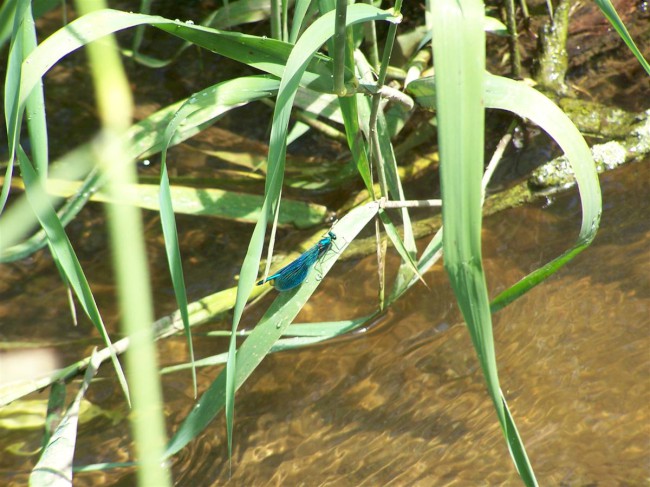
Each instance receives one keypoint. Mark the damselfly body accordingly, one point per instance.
(295, 273)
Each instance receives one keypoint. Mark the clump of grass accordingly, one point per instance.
(337, 87)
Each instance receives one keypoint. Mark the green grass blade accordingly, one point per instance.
(356, 143)
(396, 192)
(298, 336)
(60, 244)
(54, 466)
(268, 55)
(299, 60)
(13, 79)
(145, 8)
(517, 97)
(338, 54)
(396, 239)
(300, 9)
(35, 105)
(325, 328)
(147, 136)
(607, 8)
(129, 259)
(18, 220)
(230, 15)
(7, 16)
(143, 139)
(272, 325)
(55, 409)
(224, 97)
(174, 260)
(430, 256)
(388, 162)
(459, 61)
(239, 12)
(229, 205)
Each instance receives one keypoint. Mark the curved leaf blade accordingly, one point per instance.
(270, 328)
(61, 246)
(301, 57)
(525, 101)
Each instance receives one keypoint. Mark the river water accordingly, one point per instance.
(403, 403)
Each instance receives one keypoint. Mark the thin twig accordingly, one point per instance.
(496, 158)
(384, 203)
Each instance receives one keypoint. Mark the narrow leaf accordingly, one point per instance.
(60, 244)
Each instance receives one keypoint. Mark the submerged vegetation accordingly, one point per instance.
(360, 74)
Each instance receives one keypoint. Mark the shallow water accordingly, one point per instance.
(405, 403)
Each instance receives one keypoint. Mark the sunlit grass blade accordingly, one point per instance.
(270, 328)
(296, 336)
(459, 62)
(35, 106)
(60, 244)
(13, 79)
(609, 11)
(519, 98)
(229, 205)
(527, 102)
(7, 16)
(390, 177)
(129, 259)
(18, 221)
(322, 104)
(429, 257)
(145, 138)
(55, 408)
(54, 467)
(174, 260)
(396, 239)
(339, 47)
(356, 143)
(407, 268)
(300, 10)
(224, 96)
(8, 13)
(299, 60)
(267, 55)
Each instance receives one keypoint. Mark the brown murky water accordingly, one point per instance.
(405, 403)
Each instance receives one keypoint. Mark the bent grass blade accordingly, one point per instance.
(264, 336)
